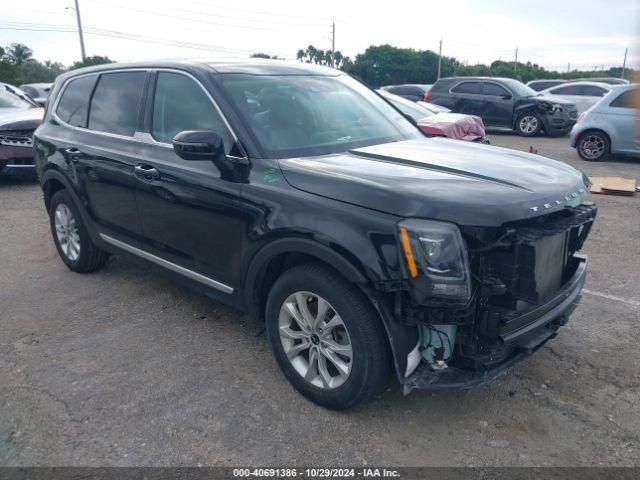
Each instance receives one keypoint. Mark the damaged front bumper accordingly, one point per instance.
(521, 336)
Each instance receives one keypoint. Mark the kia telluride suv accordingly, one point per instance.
(297, 194)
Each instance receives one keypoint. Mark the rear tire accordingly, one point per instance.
(358, 337)
(593, 146)
(70, 235)
(528, 124)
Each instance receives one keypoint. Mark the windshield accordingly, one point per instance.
(293, 116)
(520, 88)
(11, 100)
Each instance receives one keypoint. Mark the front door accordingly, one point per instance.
(190, 216)
(497, 108)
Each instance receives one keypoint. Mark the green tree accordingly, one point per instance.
(19, 53)
(300, 55)
(90, 61)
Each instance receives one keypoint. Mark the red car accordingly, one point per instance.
(439, 122)
(19, 117)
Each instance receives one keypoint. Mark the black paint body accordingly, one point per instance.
(341, 209)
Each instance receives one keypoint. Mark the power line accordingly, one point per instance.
(195, 20)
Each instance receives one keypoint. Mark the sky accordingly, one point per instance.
(551, 33)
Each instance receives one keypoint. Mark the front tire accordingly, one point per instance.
(327, 338)
(70, 235)
(593, 146)
(528, 124)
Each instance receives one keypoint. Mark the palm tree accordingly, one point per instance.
(300, 55)
(19, 53)
(328, 58)
(320, 56)
(337, 59)
(311, 53)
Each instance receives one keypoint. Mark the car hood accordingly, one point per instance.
(553, 99)
(442, 179)
(20, 118)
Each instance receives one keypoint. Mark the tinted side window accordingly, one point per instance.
(628, 99)
(74, 104)
(115, 103)
(568, 90)
(181, 104)
(467, 87)
(593, 91)
(494, 89)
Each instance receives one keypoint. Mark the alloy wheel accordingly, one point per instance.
(67, 232)
(315, 340)
(592, 146)
(528, 124)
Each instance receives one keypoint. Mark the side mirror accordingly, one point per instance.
(198, 145)
(507, 96)
(207, 145)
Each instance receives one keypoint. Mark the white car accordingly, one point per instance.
(583, 94)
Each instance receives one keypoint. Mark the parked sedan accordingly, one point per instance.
(19, 117)
(539, 85)
(413, 92)
(611, 126)
(435, 121)
(37, 91)
(583, 94)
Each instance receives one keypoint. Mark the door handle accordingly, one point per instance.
(72, 154)
(146, 172)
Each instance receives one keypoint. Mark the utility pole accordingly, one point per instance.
(624, 63)
(515, 64)
(84, 56)
(333, 44)
(439, 58)
(569, 67)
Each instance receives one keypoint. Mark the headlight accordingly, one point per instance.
(436, 258)
(557, 108)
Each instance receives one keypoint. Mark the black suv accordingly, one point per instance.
(504, 102)
(299, 195)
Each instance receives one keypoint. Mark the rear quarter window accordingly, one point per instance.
(73, 106)
(628, 99)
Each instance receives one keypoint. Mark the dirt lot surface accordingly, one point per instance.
(123, 367)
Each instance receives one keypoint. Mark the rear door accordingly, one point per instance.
(467, 97)
(190, 216)
(497, 108)
(101, 113)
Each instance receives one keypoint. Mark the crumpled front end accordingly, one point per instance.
(526, 279)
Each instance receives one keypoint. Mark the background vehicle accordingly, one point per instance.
(504, 102)
(37, 91)
(297, 194)
(607, 80)
(611, 126)
(457, 126)
(413, 92)
(539, 85)
(583, 94)
(19, 117)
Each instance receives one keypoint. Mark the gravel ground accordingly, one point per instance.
(123, 367)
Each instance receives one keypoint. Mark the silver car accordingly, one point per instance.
(611, 126)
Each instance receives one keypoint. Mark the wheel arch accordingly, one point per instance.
(592, 130)
(279, 255)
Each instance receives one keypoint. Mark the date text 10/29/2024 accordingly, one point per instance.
(316, 472)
